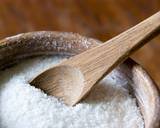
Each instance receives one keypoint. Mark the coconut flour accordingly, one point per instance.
(23, 106)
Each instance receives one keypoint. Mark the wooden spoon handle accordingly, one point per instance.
(102, 59)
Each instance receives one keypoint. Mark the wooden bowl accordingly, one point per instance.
(15, 48)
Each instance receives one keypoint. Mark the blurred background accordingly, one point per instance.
(101, 19)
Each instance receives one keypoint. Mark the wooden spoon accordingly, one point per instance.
(72, 79)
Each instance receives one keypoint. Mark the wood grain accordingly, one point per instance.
(102, 19)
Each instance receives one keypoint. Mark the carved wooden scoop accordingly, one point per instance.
(72, 79)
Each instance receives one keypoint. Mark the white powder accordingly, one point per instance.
(24, 106)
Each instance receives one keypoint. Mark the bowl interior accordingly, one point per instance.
(15, 48)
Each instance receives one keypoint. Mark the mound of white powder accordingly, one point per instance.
(24, 106)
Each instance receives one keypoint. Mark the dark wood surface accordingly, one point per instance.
(100, 19)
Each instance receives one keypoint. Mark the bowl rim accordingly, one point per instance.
(9, 42)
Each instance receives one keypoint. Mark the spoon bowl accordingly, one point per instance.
(66, 81)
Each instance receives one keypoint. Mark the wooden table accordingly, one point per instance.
(101, 19)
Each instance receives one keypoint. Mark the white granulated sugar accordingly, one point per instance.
(24, 106)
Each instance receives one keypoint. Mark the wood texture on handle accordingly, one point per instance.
(98, 61)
